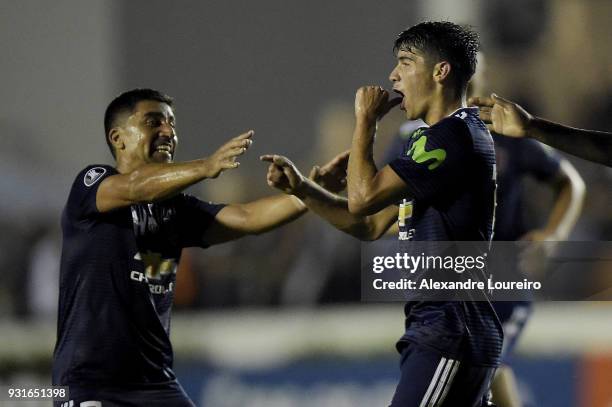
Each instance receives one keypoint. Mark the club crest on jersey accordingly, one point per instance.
(93, 175)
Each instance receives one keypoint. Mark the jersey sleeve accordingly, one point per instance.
(539, 160)
(435, 159)
(82, 199)
(195, 216)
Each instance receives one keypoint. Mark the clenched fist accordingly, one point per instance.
(372, 103)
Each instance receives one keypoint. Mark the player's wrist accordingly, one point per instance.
(365, 120)
(365, 129)
(303, 188)
(531, 126)
(206, 167)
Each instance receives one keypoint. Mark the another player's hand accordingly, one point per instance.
(503, 116)
(332, 176)
(225, 157)
(283, 174)
(372, 103)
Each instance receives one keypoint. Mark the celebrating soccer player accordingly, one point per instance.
(518, 159)
(123, 231)
(450, 349)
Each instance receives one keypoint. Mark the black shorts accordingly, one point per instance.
(428, 379)
(155, 395)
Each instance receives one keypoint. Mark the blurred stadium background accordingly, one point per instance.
(276, 320)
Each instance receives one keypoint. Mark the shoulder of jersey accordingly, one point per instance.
(409, 127)
(93, 175)
(466, 113)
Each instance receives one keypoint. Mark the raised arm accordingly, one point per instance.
(157, 181)
(370, 190)
(510, 119)
(283, 175)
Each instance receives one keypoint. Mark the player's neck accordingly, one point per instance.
(126, 165)
(443, 105)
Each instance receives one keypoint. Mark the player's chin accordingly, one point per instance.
(409, 115)
(161, 157)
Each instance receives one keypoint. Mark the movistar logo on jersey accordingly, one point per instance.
(418, 153)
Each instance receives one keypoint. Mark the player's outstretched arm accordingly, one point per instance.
(370, 190)
(510, 119)
(283, 175)
(157, 181)
(262, 215)
(253, 218)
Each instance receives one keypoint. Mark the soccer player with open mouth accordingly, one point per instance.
(450, 349)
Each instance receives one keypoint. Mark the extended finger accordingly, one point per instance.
(343, 155)
(315, 173)
(245, 136)
(242, 143)
(229, 164)
(234, 152)
(501, 100)
(339, 161)
(485, 115)
(267, 158)
(273, 158)
(481, 101)
(276, 159)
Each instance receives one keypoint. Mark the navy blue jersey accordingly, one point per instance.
(449, 171)
(117, 280)
(516, 159)
(396, 147)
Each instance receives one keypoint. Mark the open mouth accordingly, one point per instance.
(163, 148)
(402, 107)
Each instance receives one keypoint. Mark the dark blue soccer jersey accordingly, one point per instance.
(117, 279)
(517, 159)
(449, 171)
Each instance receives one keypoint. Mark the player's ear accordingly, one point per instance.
(441, 71)
(115, 137)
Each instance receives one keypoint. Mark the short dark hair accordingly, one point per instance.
(443, 40)
(126, 102)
